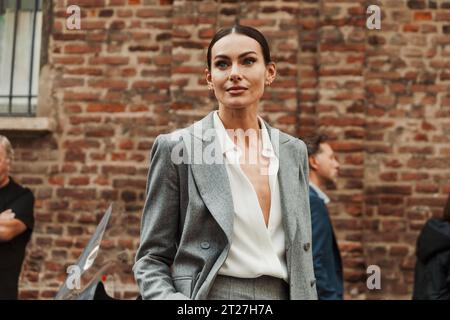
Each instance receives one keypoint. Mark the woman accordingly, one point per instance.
(432, 274)
(236, 227)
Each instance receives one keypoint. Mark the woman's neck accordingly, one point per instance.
(244, 126)
(245, 118)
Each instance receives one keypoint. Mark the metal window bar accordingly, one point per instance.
(19, 5)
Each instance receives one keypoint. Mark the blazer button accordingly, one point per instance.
(204, 245)
(306, 246)
(313, 282)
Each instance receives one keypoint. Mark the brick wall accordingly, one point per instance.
(136, 70)
(407, 133)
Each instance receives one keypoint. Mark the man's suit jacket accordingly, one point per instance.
(326, 255)
(187, 221)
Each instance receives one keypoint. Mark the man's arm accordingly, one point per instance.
(18, 218)
(7, 215)
(11, 228)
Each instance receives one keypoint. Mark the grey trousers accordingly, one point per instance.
(262, 288)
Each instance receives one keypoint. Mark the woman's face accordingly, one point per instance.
(238, 72)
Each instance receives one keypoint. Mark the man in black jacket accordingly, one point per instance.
(16, 224)
(432, 274)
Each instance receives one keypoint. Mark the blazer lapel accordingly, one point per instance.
(287, 172)
(214, 186)
(211, 178)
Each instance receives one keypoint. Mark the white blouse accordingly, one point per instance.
(256, 250)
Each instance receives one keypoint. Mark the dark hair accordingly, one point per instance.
(313, 143)
(245, 30)
(446, 216)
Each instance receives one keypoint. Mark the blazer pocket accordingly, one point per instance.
(183, 285)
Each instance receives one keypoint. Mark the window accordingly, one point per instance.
(20, 45)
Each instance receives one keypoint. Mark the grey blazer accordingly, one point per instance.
(187, 221)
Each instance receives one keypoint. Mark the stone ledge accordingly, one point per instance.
(27, 125)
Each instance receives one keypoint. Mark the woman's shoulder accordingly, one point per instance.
(199, 129)
(295, 141)
(171, 139)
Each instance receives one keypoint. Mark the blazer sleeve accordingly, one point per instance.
(304, 193)
(159, 226)
(320, 248)
(304, 178)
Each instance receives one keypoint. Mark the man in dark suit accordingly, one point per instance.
(323, 169)
(16, 224)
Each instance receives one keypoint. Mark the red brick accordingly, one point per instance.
(152, 13)
(99, 132)
(429, 150)
(79, 181)
(118, 170)
(411, 28)
(68, 60)
(427, 188)
(124, 13)
(86, 3)
(375, 88)
(80, 96)
(410, 176)
(80, 49)
(344, 122)
(58, 205)
(110, 84)
(343, 47)
(117, 25)
(29, 294)
(397, 189)
(399, 251)
(423, 16)
(442, 16)
(85, 71)
(93, 25)
(390, 211)
(84, 119)
(206, 33)
(102, 107)
(341, 146)
(388, 176)
(436, 163)
(350, 173)
(139, 108)
(289, 119)
(56, 180)
(126, 144)
(70, 82)
(111, 195)
(118, 156)
(75, 155)
(128, 72)
(109, 60)
(426, 201)
(129, 183)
